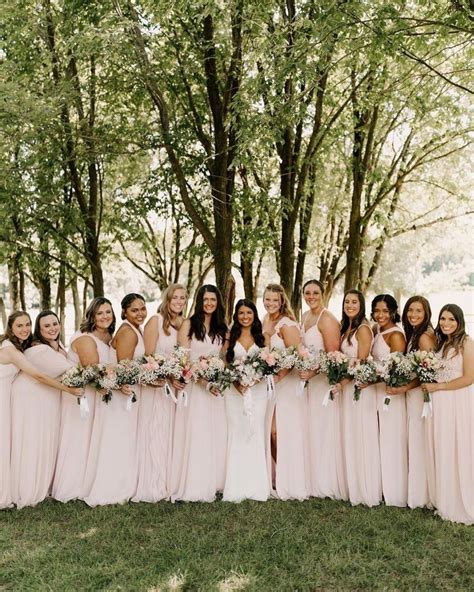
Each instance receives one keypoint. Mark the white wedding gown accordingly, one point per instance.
(246, 475)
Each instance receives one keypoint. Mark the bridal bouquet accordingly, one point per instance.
(428, 368)
(181, 368)
(335, 365)
(105, 379)
(212, 369)
(154, 367)
(128, 372)
(79, 377)
(363, 372)
(272, 360)
(308, 361)
(396, 370)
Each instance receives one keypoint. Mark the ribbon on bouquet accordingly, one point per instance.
(169, 393)
(183, 398)
(329, 396)
(130, 401)
(83, 406)
(301, 387)
(386, 403)
(270, 386)
(427, 407)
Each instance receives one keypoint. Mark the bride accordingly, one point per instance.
(246, 475)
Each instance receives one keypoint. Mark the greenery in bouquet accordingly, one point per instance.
(336, 367)
(396, 370)
(363, 372)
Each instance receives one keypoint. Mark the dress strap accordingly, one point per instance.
(391, 330)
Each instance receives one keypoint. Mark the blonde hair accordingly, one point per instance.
(164, 308)
(285, 306)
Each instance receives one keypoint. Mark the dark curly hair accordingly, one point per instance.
(218, 328)
(236, 329)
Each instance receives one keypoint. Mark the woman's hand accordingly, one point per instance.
(177, 384)
(432, 387)
(160, 383)
(307, 374)
(241, 388)
(126, 390)
(336, 388)
(75, 391)
(396, 390)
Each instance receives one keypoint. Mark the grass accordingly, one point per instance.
(314, 545)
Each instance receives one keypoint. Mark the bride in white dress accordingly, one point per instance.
(246, 475)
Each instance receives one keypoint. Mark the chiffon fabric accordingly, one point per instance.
(361, 439)
(326, 455)
(450, 432)
(155, 431)
(36, 414)
(111, 471)
(393, 434)
(7, 374)
(290, 408)
(246, 475)
(418, 495)
(200, 437)
(75, 433)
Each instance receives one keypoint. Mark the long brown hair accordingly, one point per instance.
(285, 306)
(20, 345)
(456, 340)
(37, 337)
(413, 334)
(88, 324)
(164, 308)
(356, 321)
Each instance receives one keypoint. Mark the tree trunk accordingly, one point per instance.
(77, 303)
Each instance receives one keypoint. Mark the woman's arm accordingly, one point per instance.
(125, 343)
(183, 334)
(86, 349)
(397, 342)
(330, 330)
(150, 335)
(291, 338)
(467, 377)
(10, 355)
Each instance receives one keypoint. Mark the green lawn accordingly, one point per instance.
(318, 544)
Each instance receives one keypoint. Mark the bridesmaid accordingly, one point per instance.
(111, 471)
(88, 346)
(453, 420)
(419, 332)
(360, 434)
(389, 338)
(17, 338)
(287, 411)
(36, 412)
(157, 411)
(321, 330)
(200, 437)
(246, 476)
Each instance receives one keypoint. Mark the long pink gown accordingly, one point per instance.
(451, 433)
(75, 433)
(393, 434)
(7, 374)
(292, 473)
(111, 470)
(36, 413)
(361, 439)
(326, 454)
(200, 438)
(155, 431)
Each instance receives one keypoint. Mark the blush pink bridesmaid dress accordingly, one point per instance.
(111, 470)
(290, 407)
(393, 434)
(451, 437)
(36, 413)
(200, 438)
(75, 433)
(361, 439)
(155, 431)
(7, 374)
(326, 454)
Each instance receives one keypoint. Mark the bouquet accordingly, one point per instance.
(79, 377)
(181, 368)
(363, 372)
(396, 371)
(272, 360)
(153, 368)
(308, 361)
(212, 369)
(428, 368)
(335, 365)
(128, 372)
(105, 379)
(248, 371)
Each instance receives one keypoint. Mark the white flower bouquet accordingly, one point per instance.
(363, 372)
(79, 377)
(335, 365)
(396, 370)
(213, 369)
(428, 368)
(127, 372)
(105, 380)
(154, 367)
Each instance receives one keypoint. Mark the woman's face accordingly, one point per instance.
(313, 296)
(272, 302)
(49, 328)
(136, 312)
(416, 314)
(382, 315)
(351, 306)
(448, 323)
(245, 316)
(104, 316)
(21, 327)
(178, 301)
(209, 302)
